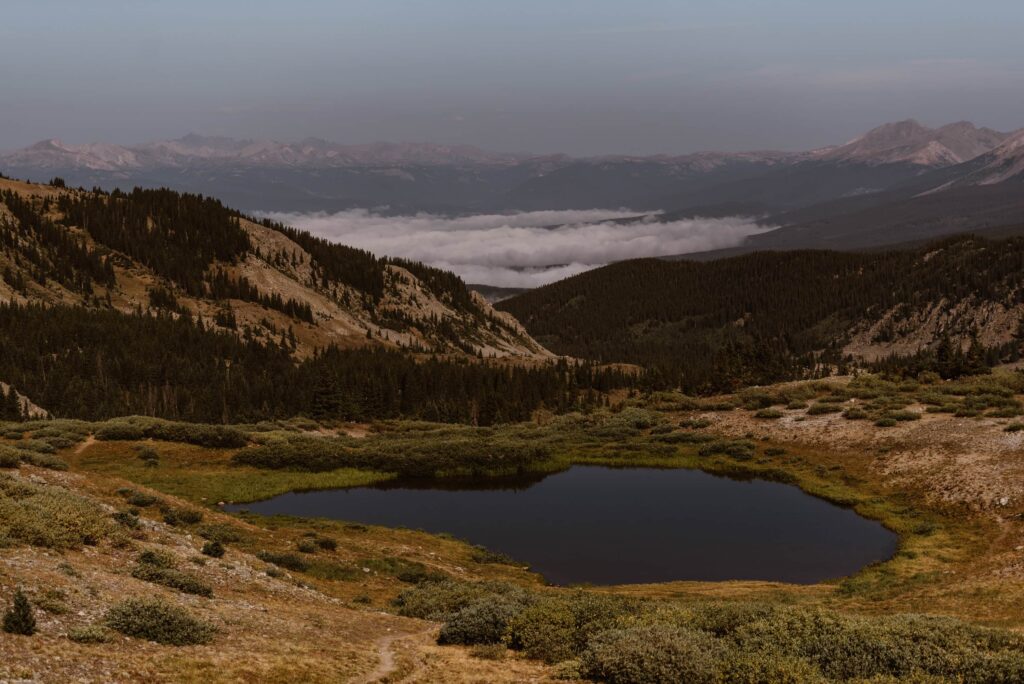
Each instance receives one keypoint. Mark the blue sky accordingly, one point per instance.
(584, 77)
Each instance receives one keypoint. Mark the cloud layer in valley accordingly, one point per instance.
(526, 249)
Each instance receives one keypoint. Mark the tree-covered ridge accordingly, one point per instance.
(46, 251)
(213, 261)
(336, 263)
(96, 363)
(177, 235)
(763, 317)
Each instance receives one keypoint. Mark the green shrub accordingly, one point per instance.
(306, 546)
(141, 499)
(19, 618)
(557, 628)
(769, 414)
(483, 622)
(126, 518)
(821, 409)
(137, 428)
(653, 654)
(49, 516)
(1014, 427)
(36, 445)
(774, 451)
(742, 450)
(149, 457)
(213, 549)
(439, 601)
(41, 460)
(481, 554)
(181, 516)
(885, 422)
(9, 458)
(326, 543)
(90, 634)
(289, 561)
(158, 568)
(855, 414)
(155, 620)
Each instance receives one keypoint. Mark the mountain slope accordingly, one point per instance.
(182, 253)
(771, 316)
(912, 143)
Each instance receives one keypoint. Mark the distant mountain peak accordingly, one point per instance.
(911, 142)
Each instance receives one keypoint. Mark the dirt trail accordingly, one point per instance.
(89, 441)
(388, 665)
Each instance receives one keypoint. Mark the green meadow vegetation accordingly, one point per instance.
(850, 629)
(625, 640)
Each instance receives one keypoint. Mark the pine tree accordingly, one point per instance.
(19, 618)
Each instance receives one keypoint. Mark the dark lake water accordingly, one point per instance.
(616, 526)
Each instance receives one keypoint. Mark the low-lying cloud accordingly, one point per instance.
(526, 249)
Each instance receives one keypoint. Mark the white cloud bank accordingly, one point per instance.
(526, 249)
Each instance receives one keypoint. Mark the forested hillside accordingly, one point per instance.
(163, 250)
(159, 303)
(100, 363)
(774, 316)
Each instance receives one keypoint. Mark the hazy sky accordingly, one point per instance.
(577, 76)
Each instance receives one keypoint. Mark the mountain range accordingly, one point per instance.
(317, 175)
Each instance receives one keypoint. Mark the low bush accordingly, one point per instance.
(155, 620)
(742, 450)
(288, 561)
(213, 549)
(9, 458)
(326, 543)
(90, 634)
(557, 628)
(49, 516)
(483, 622)
(42, 460)
(653, 654)
(181, 516)
(769, 414)
(36, 445)
(821, 409)
(158, 567)
(140, 499)
(137, 428)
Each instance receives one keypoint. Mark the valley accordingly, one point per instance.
(358, 594)
(233, 450)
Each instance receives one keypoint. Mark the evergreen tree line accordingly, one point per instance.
(97, 364)
(758, 318)
(178, 235)
(48, 251)
(222, 286)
